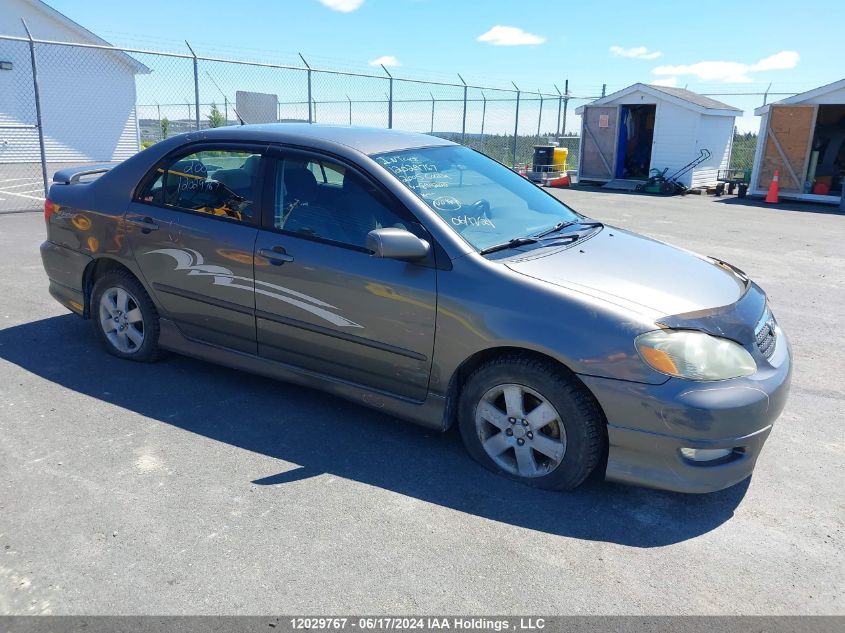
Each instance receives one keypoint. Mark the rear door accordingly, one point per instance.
(192, 229)
(788, 138)
(600, 126)
(323, 302)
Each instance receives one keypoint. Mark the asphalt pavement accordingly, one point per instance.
(183, 487)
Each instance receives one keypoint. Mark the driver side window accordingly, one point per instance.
(321, 199)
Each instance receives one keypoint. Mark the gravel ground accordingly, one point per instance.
(184, 488)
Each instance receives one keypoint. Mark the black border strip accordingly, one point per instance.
(318, 329)
(195, 296)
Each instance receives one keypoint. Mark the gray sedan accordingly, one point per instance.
(419, 277)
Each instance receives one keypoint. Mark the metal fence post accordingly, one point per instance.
(38, 120)
(565, 104)
(432, 113)
(389, 98)
(196, 86)
(483, 115)
(540, 116)
(559, 104)
(515, 128)
(308, 73)
(350, 109)
(464, 119)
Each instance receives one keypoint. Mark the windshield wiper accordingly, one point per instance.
(521, 241)
(562, 225)
(557, 227)
(517, 241)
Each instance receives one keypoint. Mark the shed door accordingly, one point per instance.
(788, 139)
(598, 144)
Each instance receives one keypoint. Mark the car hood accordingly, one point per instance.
(634, 272)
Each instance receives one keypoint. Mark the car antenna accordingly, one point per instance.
(223, 94)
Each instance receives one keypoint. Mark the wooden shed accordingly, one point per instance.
(643, 127)
(803, 137)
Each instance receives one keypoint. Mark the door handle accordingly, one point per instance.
(147, 224)
(276, 255)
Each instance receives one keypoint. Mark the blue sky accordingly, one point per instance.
(709, 47)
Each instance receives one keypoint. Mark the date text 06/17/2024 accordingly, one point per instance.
(418, 623)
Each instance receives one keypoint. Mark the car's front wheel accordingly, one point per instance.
(529, 420)
(124, 317)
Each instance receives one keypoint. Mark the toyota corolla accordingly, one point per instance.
(419, 277)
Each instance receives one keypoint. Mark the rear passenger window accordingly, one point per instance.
(217, 182)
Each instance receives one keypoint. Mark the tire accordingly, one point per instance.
(560, 423)
(124, 317)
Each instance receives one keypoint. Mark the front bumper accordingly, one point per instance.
(649, 424)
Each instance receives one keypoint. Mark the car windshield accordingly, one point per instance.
(484, 201)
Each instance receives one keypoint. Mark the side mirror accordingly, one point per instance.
(392, 243)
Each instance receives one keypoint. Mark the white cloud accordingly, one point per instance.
(509, 36)
(779, 61)
(727, 72)
(638, 52)
(669, 82)
(344, 6)
(385, 60)
(731, 72)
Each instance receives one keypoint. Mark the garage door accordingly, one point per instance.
(788, 138)
(598, 141)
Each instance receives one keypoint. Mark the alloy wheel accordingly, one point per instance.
(121, 320)
(520, 430)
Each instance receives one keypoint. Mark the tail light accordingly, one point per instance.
(50, 208)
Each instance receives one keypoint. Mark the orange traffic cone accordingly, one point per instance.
(772, 195)
(562, 181)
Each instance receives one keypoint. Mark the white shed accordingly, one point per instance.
(87, 94)
(642, 127)
(803, 137)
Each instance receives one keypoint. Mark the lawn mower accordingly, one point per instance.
(659, 182)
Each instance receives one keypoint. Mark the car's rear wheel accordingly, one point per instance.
(529, 420)
(124, 317)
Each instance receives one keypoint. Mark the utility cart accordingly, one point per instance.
(549, 166)
(730, 179)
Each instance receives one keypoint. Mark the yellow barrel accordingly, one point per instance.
(560, 156)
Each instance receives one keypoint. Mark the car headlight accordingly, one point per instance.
(694, 355)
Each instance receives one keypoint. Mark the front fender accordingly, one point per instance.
(510, 310)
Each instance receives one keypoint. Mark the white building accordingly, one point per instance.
(642, 127)
(803, 138)
(87, 94)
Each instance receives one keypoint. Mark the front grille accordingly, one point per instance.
(764, 335)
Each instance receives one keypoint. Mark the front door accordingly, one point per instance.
(789, 137)
(598, 142)
(323, 302)
(192, 229)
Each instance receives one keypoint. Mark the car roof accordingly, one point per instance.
(367, 140)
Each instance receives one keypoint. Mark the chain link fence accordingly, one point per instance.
(100, 103)
(103, 104)
(21, 180)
